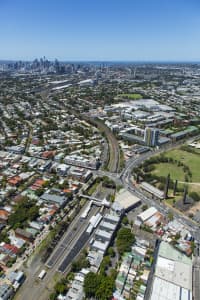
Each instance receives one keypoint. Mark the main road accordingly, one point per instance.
(126, 178)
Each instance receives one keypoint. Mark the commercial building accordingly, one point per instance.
(95, 258)
(147, 214)
(125, 201)
(148, 136)
(184, 133)
(102, 238)
(113, 219)
(103, 235)
(107, 226)
(151, 136)
(100, 246)
(80, 161)
(152, 190)
(173, 275)
(53, 198)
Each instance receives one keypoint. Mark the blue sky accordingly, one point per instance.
(136, 30)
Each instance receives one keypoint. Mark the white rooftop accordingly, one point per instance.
(148, 213)
(101, 246)
(126, 200)
(174, 272)
(164, 290)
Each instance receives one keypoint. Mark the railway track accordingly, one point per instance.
(114, 150)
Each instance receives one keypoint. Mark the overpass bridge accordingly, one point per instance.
(96, 201)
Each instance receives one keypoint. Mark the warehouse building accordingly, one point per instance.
(173, 275)
(147, 214)
(152, 190)
(103, 235)
(125, 201)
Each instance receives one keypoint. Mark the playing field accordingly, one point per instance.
(130, 96)
(163, 169)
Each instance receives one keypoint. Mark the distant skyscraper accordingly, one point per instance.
(151, 136)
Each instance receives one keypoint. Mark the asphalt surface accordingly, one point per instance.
(84, 238)
(59, 251)
(73, 242)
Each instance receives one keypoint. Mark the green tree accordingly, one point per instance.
(105, 288)
(125, 239)
(80, 263)
(53, 296)
(61, 287)
(125, 220)
(144, 207)
(33, 213)
(170, 216)
(111, 252)
(105, 264)
(91, 284)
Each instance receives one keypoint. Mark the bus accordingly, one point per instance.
(42, 274)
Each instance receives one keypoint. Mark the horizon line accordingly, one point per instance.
(102, 61)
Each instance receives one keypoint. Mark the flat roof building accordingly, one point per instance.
(152, 190)
(52, 198)
(107, 226)
(103, 235)
(99, 246)
(147, 214)
(114, 219)
(126, 200)
(173, 275)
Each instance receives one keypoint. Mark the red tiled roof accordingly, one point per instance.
(48, 154)
(39, 182)
(14, 249)
(14, 180)
(67, 191)
(4, 214)
(52, 212)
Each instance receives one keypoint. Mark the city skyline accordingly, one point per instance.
(87, 31)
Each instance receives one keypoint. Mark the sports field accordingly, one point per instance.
(163, 169)
(130, 96)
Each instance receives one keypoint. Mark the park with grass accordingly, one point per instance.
(178, 167)
(182, 164)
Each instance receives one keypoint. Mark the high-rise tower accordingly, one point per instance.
(151, 136)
